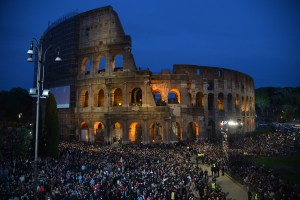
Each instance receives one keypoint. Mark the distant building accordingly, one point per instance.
(104, 97)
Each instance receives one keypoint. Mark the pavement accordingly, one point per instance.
(233, 189)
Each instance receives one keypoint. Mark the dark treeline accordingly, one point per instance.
(279, 104)
(14, 102)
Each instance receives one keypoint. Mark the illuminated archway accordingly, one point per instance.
(243, 104)
(116, 133)
(200, 100)
(117, 97)
(220, 101)
(135, 133)
(99, 132)
(136, 97)
(84, 98)
(177, 131)
(174, 96)
(156, 133)
(99, 98)
(84, 132)
(192, 131)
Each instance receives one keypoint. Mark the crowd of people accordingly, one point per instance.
(280, 140)
(146, 172)
(110, 172)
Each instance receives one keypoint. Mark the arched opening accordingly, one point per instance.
(136, 97)
(101, 63)
(86, 65)
(116, 133)
(158, 99)
(229, 102)
(200, 100)
(84, 132)
(156, 133)
(174, 96)
(99, 100)
(210, 101)
(237, 103)
(135, 133)
(117, 97)
(210, 85)
(250, 104)
(99, 132)
(84, 98)
(247, 104)
(177, 131)
(211, 129)
(243, 104)
(192, 131)
(220, 101)
(118, 62)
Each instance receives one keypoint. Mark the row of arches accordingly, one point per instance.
(136, 98)
(115, 99)
(246, 103)
(100, 63)
(136, 132)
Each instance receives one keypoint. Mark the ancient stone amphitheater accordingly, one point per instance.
(104, 97)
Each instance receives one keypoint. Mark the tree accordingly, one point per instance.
(14, 141)
(288, 111)
(13, 102)
(51, 128)
(262, 99)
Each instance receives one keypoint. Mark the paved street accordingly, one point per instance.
(233, 189)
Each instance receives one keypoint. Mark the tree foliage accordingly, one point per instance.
(13, 102)
(278, 103)
(15, 141)
(51, 128)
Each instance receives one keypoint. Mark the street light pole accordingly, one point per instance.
(36, 92)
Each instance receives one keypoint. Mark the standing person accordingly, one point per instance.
(249, 195)
(217, 170)
(223, 169)
(206, 175)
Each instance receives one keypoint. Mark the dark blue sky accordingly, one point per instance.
(258, 37)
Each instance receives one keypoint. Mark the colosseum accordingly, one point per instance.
(102, 96)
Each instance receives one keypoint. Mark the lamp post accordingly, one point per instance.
(39, 93)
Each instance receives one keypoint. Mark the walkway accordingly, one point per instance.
(233, 189)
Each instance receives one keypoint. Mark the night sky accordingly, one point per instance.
(258, 37)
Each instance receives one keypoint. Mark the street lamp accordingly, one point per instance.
(38, 92)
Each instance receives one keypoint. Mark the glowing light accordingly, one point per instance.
(232, 123)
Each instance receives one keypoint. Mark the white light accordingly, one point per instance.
(232, 123)
(45, 93)
(58, 59)
(32, 91)
(29, 59)
(30, 52)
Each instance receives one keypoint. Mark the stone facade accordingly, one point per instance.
(111, 100)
